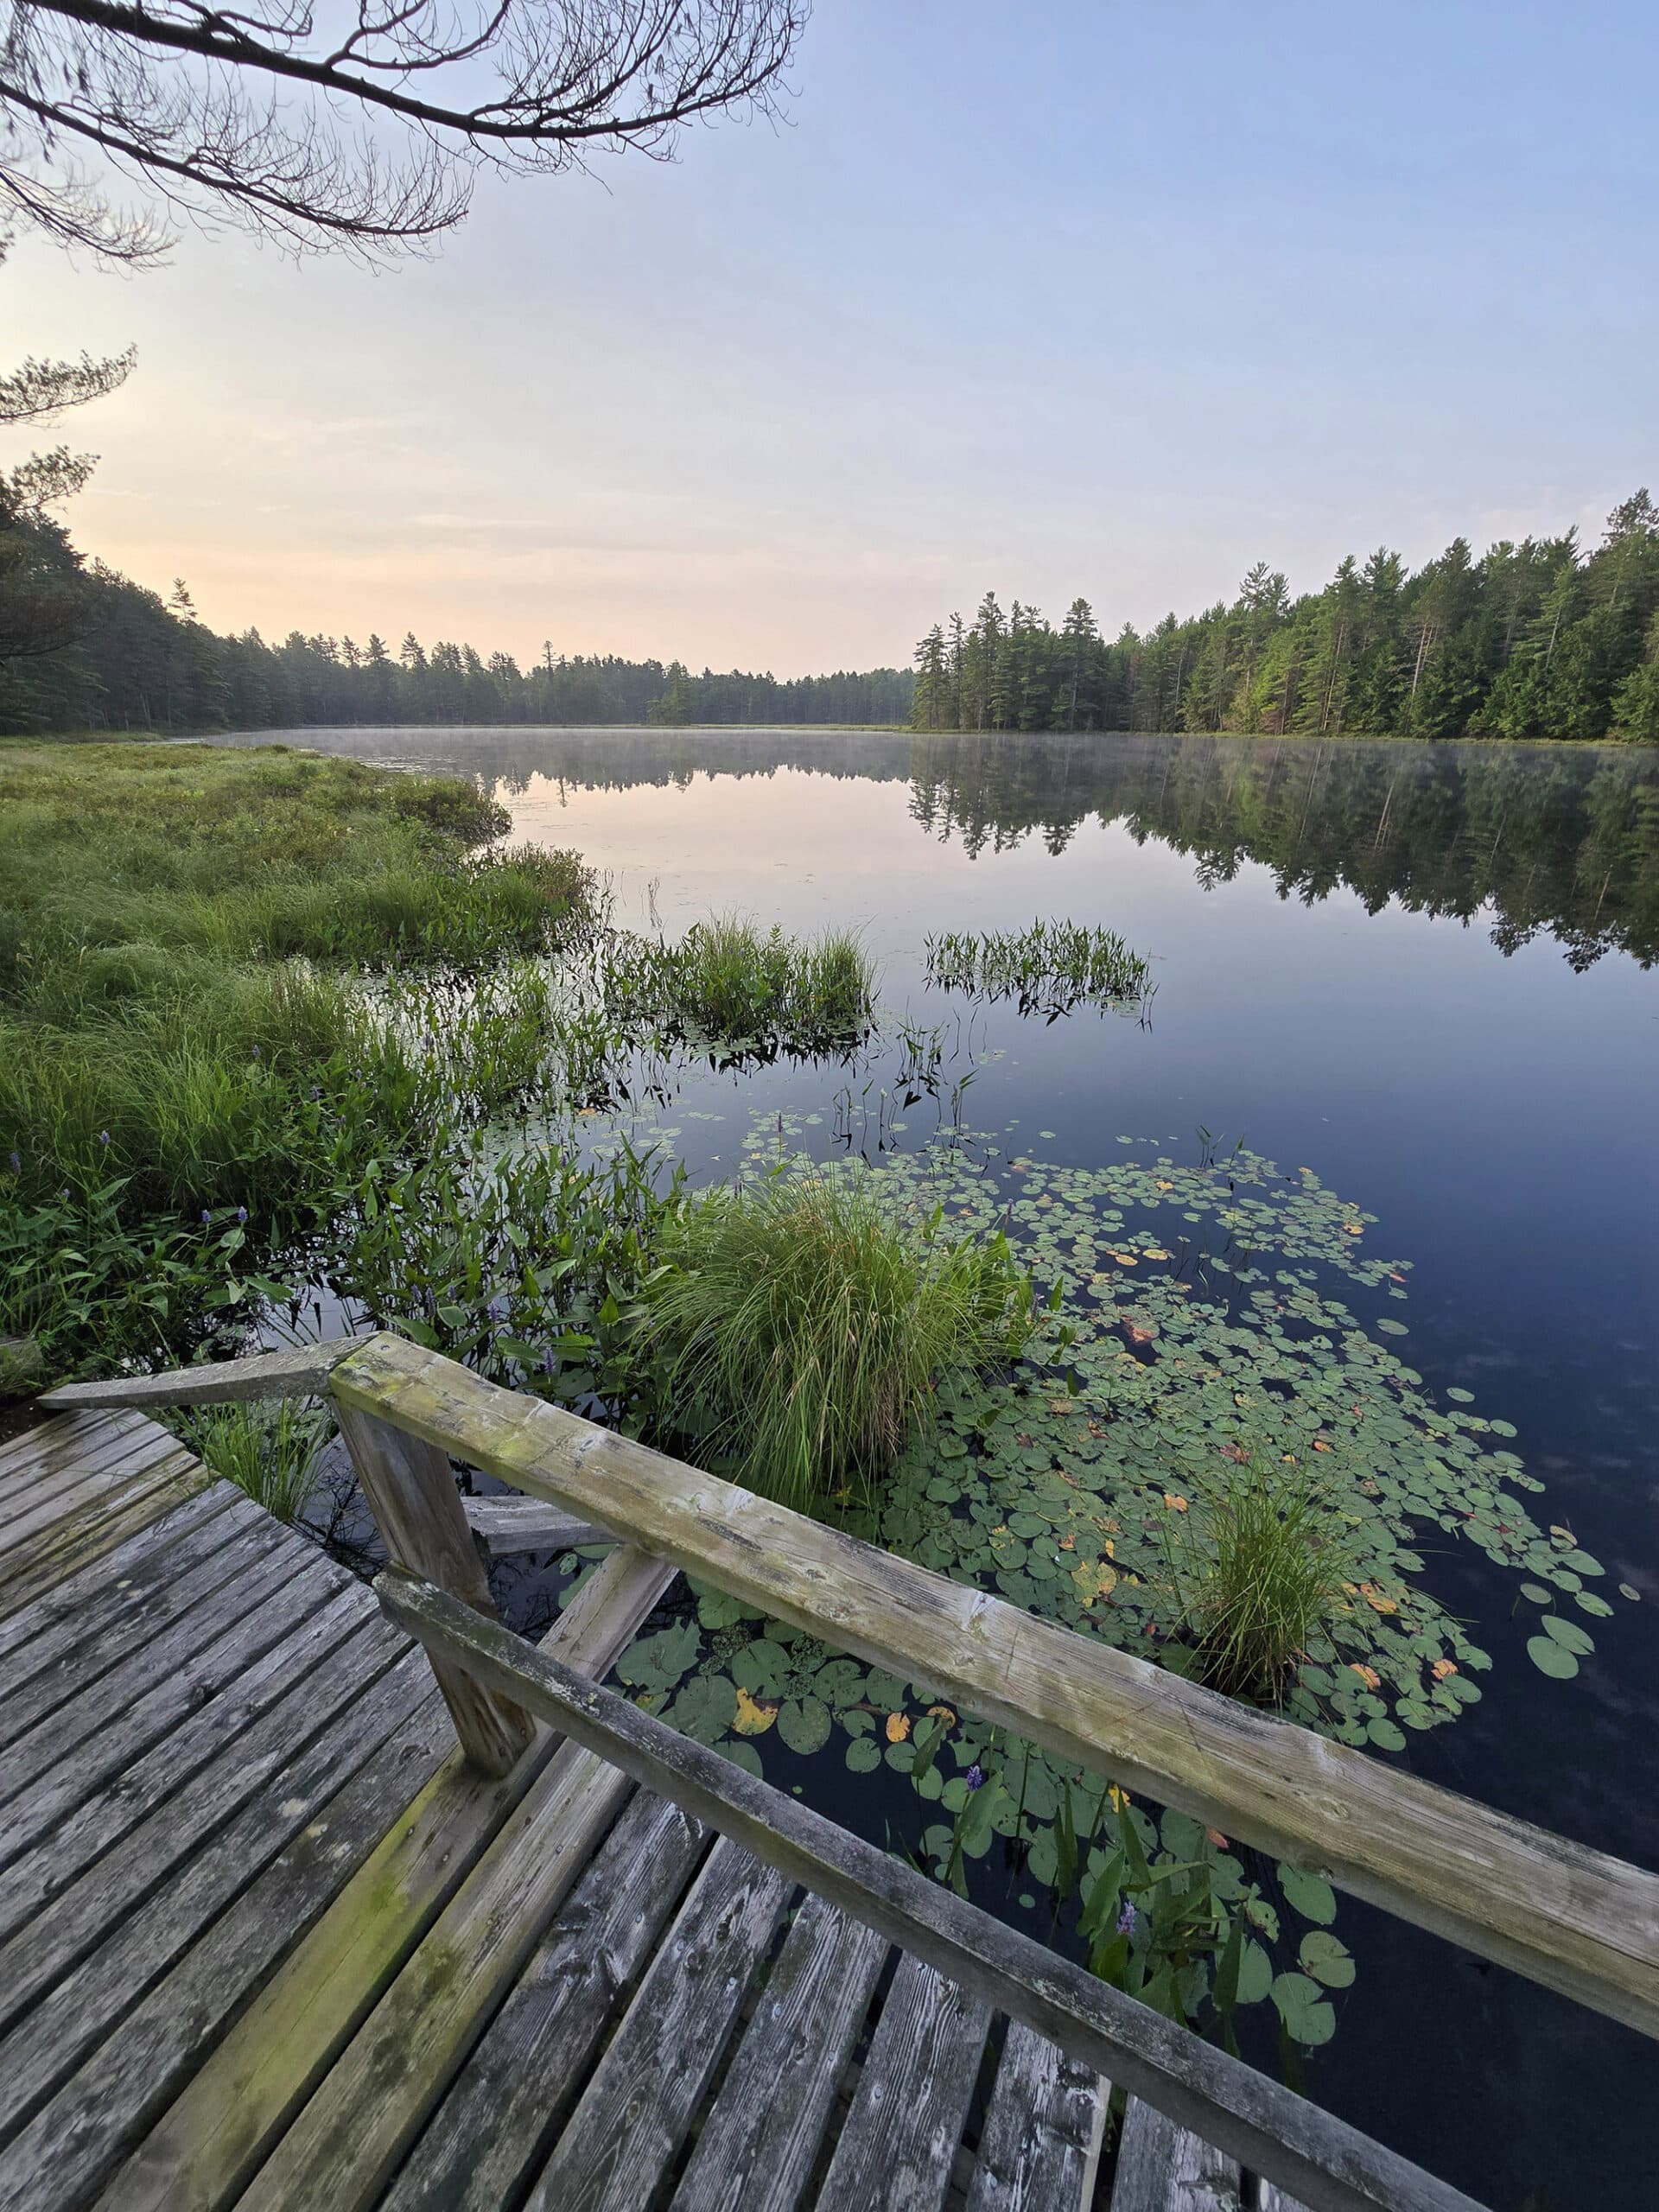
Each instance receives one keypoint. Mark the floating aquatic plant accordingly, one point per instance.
(1049, 969)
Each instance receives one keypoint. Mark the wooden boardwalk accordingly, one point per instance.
(267, 1941)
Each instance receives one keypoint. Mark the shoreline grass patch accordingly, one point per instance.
(803, 1323)
(1050, 968)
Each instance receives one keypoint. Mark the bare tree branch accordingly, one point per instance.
(367, 129)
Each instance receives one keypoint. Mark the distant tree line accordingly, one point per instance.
(1533, 640)
(83, 648)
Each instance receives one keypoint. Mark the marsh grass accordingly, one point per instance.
(802, 1324)
(1049, 969)
(1261, 1575)
(729, 983)
(271, 1451)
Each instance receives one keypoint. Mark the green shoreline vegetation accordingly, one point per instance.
(1533, 639)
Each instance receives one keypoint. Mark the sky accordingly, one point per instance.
(1069, 299)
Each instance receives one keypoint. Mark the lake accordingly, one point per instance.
(1422, 974)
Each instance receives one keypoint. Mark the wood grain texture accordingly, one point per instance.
(1040, 2146)
(297, 1371)
(32, 1634)
(1574, 1919)
(525, 1524)
(491, 2136)
(1164, 2168)
(109, 1725)
(348, 2142)
(417, 1509)
(116, 1660)
(204, 2150)
(759, 2142)
(1330, 2167)
(73, 2145)
(148, 1494)
(130, 1796)
(47, 1946)
(897, 2148)
(633, 2117)
(125, 1606)
(79, 2010)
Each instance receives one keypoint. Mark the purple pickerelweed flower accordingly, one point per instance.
(975, 1776)
(241, 1213)
(1126, 1921)
(207, 1218)
(497, 1309)
(16, 1162)
(103, 1136)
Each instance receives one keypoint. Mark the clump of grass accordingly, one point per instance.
(749, 991)
(1049, 969)
(803, 1323)
(270, 1451)
(1269, 1578)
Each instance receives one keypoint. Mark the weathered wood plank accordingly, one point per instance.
(1164, 2168)
(486, 2143)
(1040, 2146)
(114, 1637)
(43, 1629)
(633, 2117)
(759, 2144)
(202, 2152)
(73, 2146)
(20, 1454)
(58, 1471)
(417, 1508)
(525, 1524)
(343, 2149)
(1330, 2166)
(77, 2011)
(1269, 2199)
(131, 1796)
(1574, 1919)
(54, 1495)
(295, 1371)
(900, 2140)
(86, 1536)
(104, 1728)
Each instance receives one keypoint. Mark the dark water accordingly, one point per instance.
(1425, 973)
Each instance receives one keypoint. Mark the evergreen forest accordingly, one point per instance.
(1534, 639)
(83, 648)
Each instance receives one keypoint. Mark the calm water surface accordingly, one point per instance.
(1424, 972)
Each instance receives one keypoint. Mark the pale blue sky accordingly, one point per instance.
(1059, 299)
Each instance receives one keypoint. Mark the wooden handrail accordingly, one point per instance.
(1326, 2165)
(1573, 1919)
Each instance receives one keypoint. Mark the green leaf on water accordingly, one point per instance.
(1308, 2019)
(1327, 1957)
(1568, 1634)
(863, 1754)
(1536, 1592)
(1551, 1658)
(1310, 1894)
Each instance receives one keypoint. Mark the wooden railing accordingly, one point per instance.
(1573, 1919)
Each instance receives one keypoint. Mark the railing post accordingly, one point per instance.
(419, 1514)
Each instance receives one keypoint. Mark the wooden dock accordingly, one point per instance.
(270, 1938)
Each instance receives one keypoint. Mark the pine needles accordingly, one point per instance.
(803, 1323)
